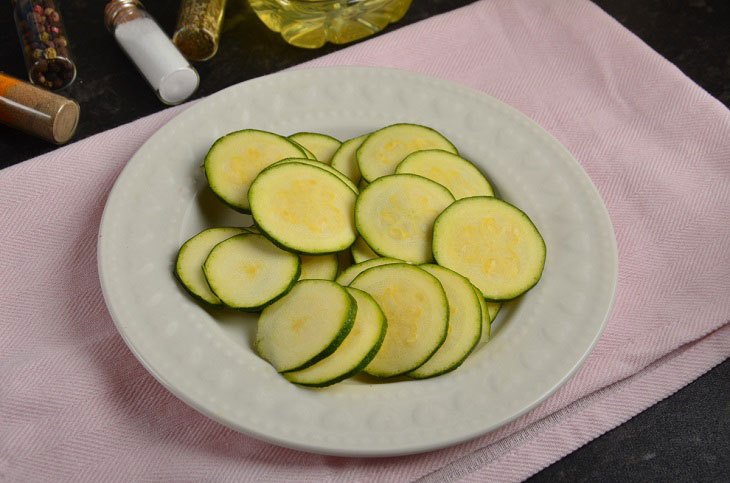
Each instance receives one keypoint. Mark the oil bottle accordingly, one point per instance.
(312, 23)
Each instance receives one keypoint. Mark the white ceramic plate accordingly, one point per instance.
(205, 357)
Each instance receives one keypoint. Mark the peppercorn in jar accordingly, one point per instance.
(45, 43)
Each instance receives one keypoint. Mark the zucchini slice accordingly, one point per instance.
(486, 319)
(492, 243)
(349, 274)
(345, 158)
(362, 184)
(381, 152)
(493, 309)
(457, 174)
(237, 158)
(395, 215)
(306, 325)
(355, 352)
(326, 167)
(361, 251)
(306, 151)
(248, 272)
(192, 255)
(319, 267)
(465, 324)
(321, 146)
(304, 208)
(417, 312)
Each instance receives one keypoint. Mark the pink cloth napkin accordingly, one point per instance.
(76, 405)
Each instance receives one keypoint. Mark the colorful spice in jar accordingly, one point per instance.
(45, 43)
(37, 111)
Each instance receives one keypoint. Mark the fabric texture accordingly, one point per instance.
(75, 405)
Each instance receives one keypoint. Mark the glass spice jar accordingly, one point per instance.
(45, 43)
(153, 53)
(37, 111)
(198, 28)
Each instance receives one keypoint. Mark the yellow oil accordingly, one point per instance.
(312, 23)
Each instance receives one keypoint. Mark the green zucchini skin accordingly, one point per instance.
(346, 327)
(258, 307)
(211, 160)
(287, 245)
(442, 222)
(178, 266)
(368, 357)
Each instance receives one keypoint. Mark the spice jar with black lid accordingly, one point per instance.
(45, 43)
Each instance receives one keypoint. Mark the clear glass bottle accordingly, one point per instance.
(312, 23)
(37, 111)
(45, 43)
(146, 44)
(198, 28)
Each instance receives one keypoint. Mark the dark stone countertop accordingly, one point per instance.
(683, 438)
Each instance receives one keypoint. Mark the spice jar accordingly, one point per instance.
(45, 43)
(198, 28)
(37, 111)
(145, 43)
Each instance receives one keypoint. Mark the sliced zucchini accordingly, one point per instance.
(306, 151)
(465, 324)
(361, 251)
(457, 174)
(248, 272)
(417, 312)
(320, 267)
(362, 184)
(306, 325)
(486, 319)
(395, 215)
(492, 243)
(344, 260)
(237, 158)
(381, 152)
(322, 146)
(326, 167)
(493, 309)
(192, 255)
(345, 158)
(304, 208)
(355, 352)
(349, 274)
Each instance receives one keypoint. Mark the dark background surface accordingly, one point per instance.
(683, 438)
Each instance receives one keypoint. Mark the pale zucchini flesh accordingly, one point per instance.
(417, 311)
(326, 167)
(349, 274)
(322, 146)
(384, 149)
(306, 325)
(237, 158)
(192, 255)
(304, 208)
(248, 272)
(319, 267)
(356, 350)
(457, 174)
(307, 152)
(361, 251)
(395, 215)
(465, 324)
(492, 243)
(345, 158)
